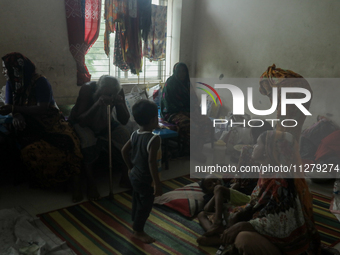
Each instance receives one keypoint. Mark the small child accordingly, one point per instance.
(142, 155)
(217, 193)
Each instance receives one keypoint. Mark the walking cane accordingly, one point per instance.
(110, 154)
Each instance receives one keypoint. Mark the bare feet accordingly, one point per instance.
(144, 237)
(92, 193)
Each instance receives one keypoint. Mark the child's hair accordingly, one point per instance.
(257, 131)
(144, 111)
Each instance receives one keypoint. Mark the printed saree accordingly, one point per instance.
(286, 218)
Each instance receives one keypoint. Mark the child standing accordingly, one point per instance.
(142, 155)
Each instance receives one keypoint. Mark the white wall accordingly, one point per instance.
(176, 20)
(37, 29)
(187, 44)
(241, 38)
(236, 38)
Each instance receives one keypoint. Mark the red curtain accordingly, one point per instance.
(83, 23)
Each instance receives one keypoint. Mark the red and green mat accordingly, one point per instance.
(104, 226)
(326, 223)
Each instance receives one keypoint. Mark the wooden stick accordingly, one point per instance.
(110, 150)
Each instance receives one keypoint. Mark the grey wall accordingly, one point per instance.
(237, 38)
(241, 38)
(37, 29)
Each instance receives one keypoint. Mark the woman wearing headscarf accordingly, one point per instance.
(281, 219)
(278, 78)
(180, 106)
(49, 147)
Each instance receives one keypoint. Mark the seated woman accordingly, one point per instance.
(280, 215)
(236, 191)
(180, 106)
(49, 147)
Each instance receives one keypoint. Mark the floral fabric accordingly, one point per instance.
(155, 45)
(286, 217)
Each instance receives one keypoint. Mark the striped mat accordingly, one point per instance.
(104, 227)
(326, 223)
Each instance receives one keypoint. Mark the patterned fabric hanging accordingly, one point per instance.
(128, 14)
(145, 18)
(118, 58)
(83, 23)
(133, 45)
(115, 11)
(155, 46)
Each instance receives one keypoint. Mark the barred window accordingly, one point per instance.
(98, 63)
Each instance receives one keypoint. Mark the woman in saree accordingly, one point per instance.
(180, 106)
(278, 78)
(281, 218)
(49, 147)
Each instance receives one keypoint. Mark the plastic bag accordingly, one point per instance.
(132, 97)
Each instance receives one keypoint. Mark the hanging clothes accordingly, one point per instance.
(133, 49)
(118, 58)
(133, 8)
(83, 23)
(145, 18)
(155, 45)
(115, 11)
(131, 38)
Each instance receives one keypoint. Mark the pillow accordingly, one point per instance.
(187, 200)
(312, 136)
